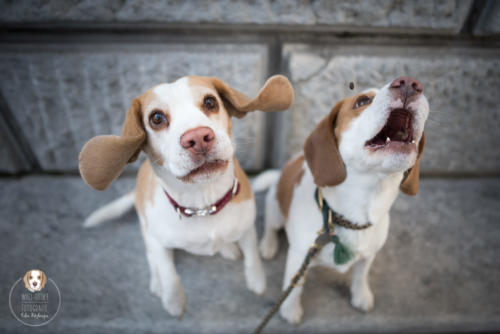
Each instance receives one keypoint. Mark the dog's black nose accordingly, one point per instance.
(35, 283)
(407, 88)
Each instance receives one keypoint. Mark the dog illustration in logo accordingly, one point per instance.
(34, 280)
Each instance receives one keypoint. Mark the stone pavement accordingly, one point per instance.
(438, 271)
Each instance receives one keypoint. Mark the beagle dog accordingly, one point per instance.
(191, 192)
(358, 156)
(34, 280)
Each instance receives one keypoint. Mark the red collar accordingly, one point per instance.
(210, 210)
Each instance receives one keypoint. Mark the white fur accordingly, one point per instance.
(162, 227)
(366, 195)
(110, 211)
(178, 99)
(266, 180)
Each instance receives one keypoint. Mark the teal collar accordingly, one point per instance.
(341, 253)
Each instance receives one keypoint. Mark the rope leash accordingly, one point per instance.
(341, 254)
(320, 241)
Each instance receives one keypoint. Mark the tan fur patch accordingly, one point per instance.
(275, 95)
(321, 146)
(348, 113)
(200, 87)
(291, 176)
(145, 186)
(245, 188)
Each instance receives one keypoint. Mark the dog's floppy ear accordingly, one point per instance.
(409, 185)
(25, 279)
(103, 158)
(322, 153)
(44, 280)
(275, 95)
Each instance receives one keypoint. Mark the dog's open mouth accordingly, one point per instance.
(397, 131)
(207, 168)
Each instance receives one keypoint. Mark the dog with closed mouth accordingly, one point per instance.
(355, 161)
(34, 280)
(191, 192)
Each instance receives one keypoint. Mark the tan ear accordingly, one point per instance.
(275, 95)
(103, 158)
(25, 279)
(322, 153)
(409, 185)
(44, 280)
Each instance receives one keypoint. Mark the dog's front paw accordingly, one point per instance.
(230, 251)
(363, 300)
(175, 301)
(269, 245)
(292, 312)
(256, 279)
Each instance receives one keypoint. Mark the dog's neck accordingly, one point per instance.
(196, 194)
(364, 196)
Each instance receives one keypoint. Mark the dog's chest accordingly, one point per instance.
(305, 220)
(199, 235)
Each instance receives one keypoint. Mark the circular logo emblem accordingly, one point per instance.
(34, 299)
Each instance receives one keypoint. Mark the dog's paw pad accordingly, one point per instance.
(269, 246)
(363, 301)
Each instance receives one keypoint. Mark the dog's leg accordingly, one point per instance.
(361, 294)
(230, 251)
(154, 282)
(291, 310)
(273, 221)
(172, 293)
(254, 272)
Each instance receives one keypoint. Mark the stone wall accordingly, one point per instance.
(69, 70)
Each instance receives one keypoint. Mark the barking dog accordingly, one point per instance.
(191, 194)
(367, 148)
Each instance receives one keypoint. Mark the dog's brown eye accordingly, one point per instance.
(362, 101)
(157, 119)
(210, 103)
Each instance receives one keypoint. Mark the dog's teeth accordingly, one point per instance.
(387, 139)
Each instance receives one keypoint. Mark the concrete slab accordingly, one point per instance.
(409, 16)
(63, 94)
(438, 272)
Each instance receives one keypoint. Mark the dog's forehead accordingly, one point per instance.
(186, 89)
(168, 93)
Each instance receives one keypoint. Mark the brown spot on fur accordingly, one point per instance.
(145, 187)
(155, 157)
(245, 188)
(275, 95)
(348, 113)
(203, 87)
(290, 177)
(321, 146)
